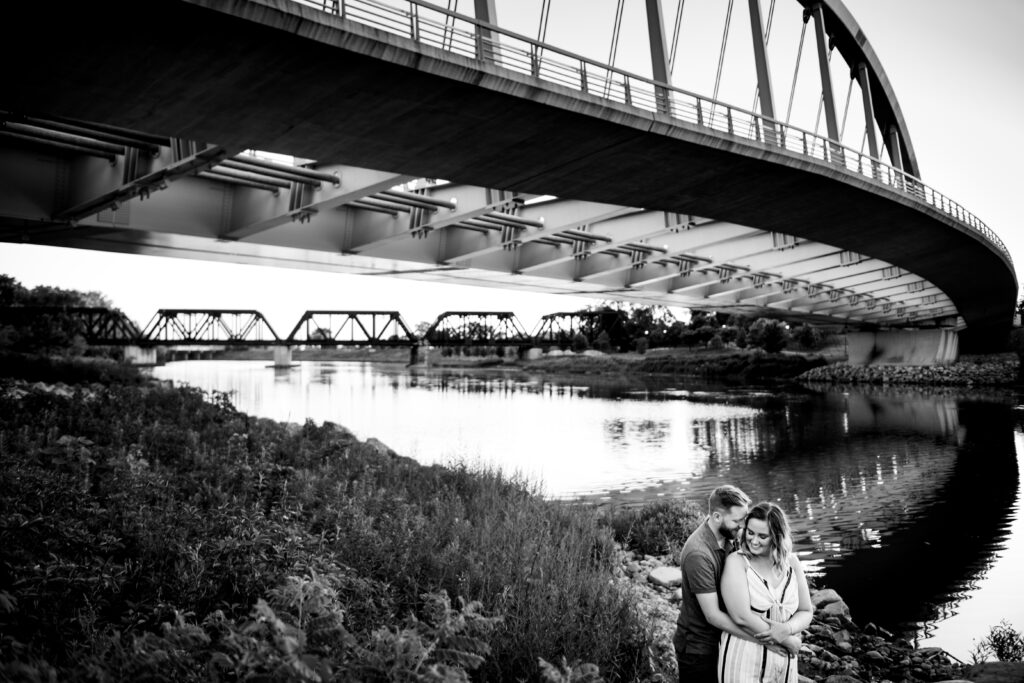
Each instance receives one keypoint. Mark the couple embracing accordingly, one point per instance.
(745, 596)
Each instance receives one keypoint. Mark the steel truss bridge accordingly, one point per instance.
(564, 173)
(325, 329)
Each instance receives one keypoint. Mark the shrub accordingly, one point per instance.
(641, 344)
(659, 528)
(138, 506)
(580, 342)
(808, 337)
(1003, 642)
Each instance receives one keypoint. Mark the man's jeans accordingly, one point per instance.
(694, 667)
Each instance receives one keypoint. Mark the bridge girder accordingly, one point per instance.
(380, 222)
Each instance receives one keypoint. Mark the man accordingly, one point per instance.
(702, 616)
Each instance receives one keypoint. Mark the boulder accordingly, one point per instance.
(842, 678)
(836, 609)
(996, 672)
(666, 577)
(824, 597)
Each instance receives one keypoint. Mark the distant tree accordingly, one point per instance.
(580, 343)
(421, 328)
(808, 337)
(53, 332)
(768, 334)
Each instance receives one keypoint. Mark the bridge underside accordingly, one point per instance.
(273, 76)
(366, 224)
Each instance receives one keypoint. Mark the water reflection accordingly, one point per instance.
(901, 500)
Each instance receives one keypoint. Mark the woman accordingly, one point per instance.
(764, 589)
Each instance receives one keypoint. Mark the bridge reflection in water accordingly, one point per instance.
(900, 500)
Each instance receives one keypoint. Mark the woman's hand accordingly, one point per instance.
(778, 631)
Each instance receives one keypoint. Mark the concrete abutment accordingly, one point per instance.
(903, 347)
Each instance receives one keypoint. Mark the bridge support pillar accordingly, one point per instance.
(282, 356)
(903, 347)
(138, 355)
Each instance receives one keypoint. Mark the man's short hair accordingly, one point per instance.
(726, 497)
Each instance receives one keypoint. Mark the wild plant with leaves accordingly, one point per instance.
(157, 533)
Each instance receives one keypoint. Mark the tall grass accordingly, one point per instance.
(155, 532)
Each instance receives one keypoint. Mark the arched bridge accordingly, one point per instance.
(564, 173)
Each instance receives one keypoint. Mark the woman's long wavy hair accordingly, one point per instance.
(779, 542)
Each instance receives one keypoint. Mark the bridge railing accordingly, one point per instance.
(466, 36)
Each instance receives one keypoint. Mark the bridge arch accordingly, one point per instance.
(357, 97)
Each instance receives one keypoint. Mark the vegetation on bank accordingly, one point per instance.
(151, 532)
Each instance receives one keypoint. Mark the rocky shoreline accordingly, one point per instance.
(835, 649)
(966, 372)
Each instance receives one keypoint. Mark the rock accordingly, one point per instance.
(996, 672)
(677, 595)
(836, 609)
(841, 636)
(667, 577)
(874, 656)
(804, 679)
(842, 678)
(633, 568)
(824, 597)
(379, 447)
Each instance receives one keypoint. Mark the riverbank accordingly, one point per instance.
(994, 370)
(241, 506)
(152, 531)
(730, 364)
(739, 365)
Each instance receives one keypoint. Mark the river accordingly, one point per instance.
(906, 501)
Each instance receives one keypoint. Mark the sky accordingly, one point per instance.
(956, 68)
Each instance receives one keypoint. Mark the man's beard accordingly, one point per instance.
(728, 534)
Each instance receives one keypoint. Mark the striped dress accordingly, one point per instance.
(744, 661)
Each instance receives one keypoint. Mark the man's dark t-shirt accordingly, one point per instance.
(701, 561)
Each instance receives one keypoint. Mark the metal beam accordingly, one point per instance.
(157, 180)
(821, 40)
(864, 80)
(356, 184)
(765, 93)
(659, 56)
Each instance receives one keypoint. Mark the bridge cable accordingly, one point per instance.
(614, 47)
(675, 37)
(449, 25)
(796, 71)
(721, 57)
(846, 110)
(542, 33)
(545, 11)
